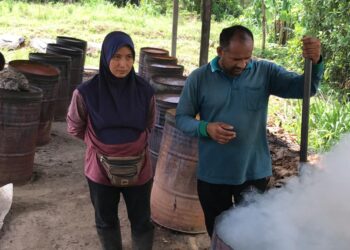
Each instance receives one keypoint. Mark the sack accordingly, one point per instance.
(123, 171)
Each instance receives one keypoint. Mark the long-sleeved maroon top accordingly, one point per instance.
(79, 125)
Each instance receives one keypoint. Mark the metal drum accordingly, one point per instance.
(174, 199)
(19, 121)
(168, 60)
(163, 70)
(163, 103)
(151, 51)
(168, 84)
(63, 63)
(73, 42)
(45, 77)
(77, 66)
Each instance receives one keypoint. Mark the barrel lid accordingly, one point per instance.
(64, 48)
(160, 57)
(154, 50)
(168, 98)
(71, 39)
(169, 80)
(28, 67)
(49, 57)
(163, 57)
(169, 66)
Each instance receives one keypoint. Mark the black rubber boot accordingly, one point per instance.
(143, 241)
(110, 238)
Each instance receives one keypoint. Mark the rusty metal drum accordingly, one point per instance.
(170, 60)
(163, 103)
(63, 63)
(151, 51)
(168, 84)
(45, 77)
(174, 199)
(19, 121)
(73, 42)
(163, 70)
(77, 65)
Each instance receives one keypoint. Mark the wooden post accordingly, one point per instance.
(206, 15)
(175, 22)
(305, 110)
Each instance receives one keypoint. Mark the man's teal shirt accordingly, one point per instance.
(242, 102)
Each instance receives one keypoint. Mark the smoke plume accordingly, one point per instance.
(312, 212)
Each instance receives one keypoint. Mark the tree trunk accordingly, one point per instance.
(282, 33)
(206, 15)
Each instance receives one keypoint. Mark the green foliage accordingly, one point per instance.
(329, 118)
(226, 9)
(221, 10)
(123, 3)
(330, 21)
(192, 5)
(157, 7)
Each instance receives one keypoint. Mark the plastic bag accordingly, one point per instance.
(6, 194)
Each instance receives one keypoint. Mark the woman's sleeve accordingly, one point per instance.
(77, 116)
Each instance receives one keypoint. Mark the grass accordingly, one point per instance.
(92, 20)
(329, 117)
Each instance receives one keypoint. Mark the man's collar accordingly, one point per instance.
(214, 65)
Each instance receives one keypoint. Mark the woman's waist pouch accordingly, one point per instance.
(122, 170)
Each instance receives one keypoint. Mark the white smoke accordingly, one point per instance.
(311, 212)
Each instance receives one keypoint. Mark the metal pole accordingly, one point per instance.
(175, 22)
(206, 15)
(305, 110)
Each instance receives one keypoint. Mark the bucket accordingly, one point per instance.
(163, 103)
(45, 77)
(77, 67)
(163, 70)
(63, 63)
(168, 84)
(151, 51)
(73, 42)
(174, 199)
(19, 121)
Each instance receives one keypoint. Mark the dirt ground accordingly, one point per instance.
(53, 210)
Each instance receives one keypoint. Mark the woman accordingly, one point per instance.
(113, 113)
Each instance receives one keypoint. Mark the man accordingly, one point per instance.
(231, 96)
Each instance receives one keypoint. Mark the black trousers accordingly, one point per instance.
(105, 200)
(216, 198)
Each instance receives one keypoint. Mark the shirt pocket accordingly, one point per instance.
(255, 98)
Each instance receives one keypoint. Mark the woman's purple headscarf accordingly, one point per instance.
(118, 107)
